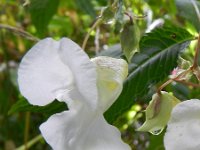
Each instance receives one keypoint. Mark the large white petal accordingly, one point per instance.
(41, 73)
(83, 69)
(101, 136)
(111, 73)
(183, 131)
(81, 130)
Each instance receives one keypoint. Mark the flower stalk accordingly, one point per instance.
(30, 143)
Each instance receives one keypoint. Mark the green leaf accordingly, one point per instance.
(23, 105)
(156, 142)
(87, 7)
(59, 23)
(186, 10)
(167, 5)
(113, 51)
(41, 13)
(159, 51)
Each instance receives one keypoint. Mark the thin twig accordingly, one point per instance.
(196, 9)
(140, 17)
(98, 21)
(130, 17)
(27, 2)
(182, 74)
(19, 32)
(31, 142)
(96, 41)
(188, 83)
(164, 85)
(196, 57)
(26, 133)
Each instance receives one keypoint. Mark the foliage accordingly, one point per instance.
(52, 108)
(41, 13)
(159, 50)
(157, 57)
(186, 10)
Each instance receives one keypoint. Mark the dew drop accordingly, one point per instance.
(156, 132)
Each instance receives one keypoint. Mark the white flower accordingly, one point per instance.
(183, 131)
(62, 70)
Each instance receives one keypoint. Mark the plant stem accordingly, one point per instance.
(96, 41)
(188, 83)
(196, 9)
(26, 133)
(31, 143)
(164, 85)
(191, 69)
(19, 32)
(182, 74)
(196, 57)
(98, 21)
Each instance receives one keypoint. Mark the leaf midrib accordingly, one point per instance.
(154, 56)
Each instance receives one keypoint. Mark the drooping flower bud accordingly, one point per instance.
(158, 112)
(129, 38)
(197, 73)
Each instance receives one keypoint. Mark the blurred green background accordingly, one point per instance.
(23, 22)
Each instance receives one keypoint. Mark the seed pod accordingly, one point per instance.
(158, 112)
(130, 37)
(197, 73)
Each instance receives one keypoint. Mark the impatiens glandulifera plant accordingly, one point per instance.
(62, 70)
(183, 129)
(158, 112)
